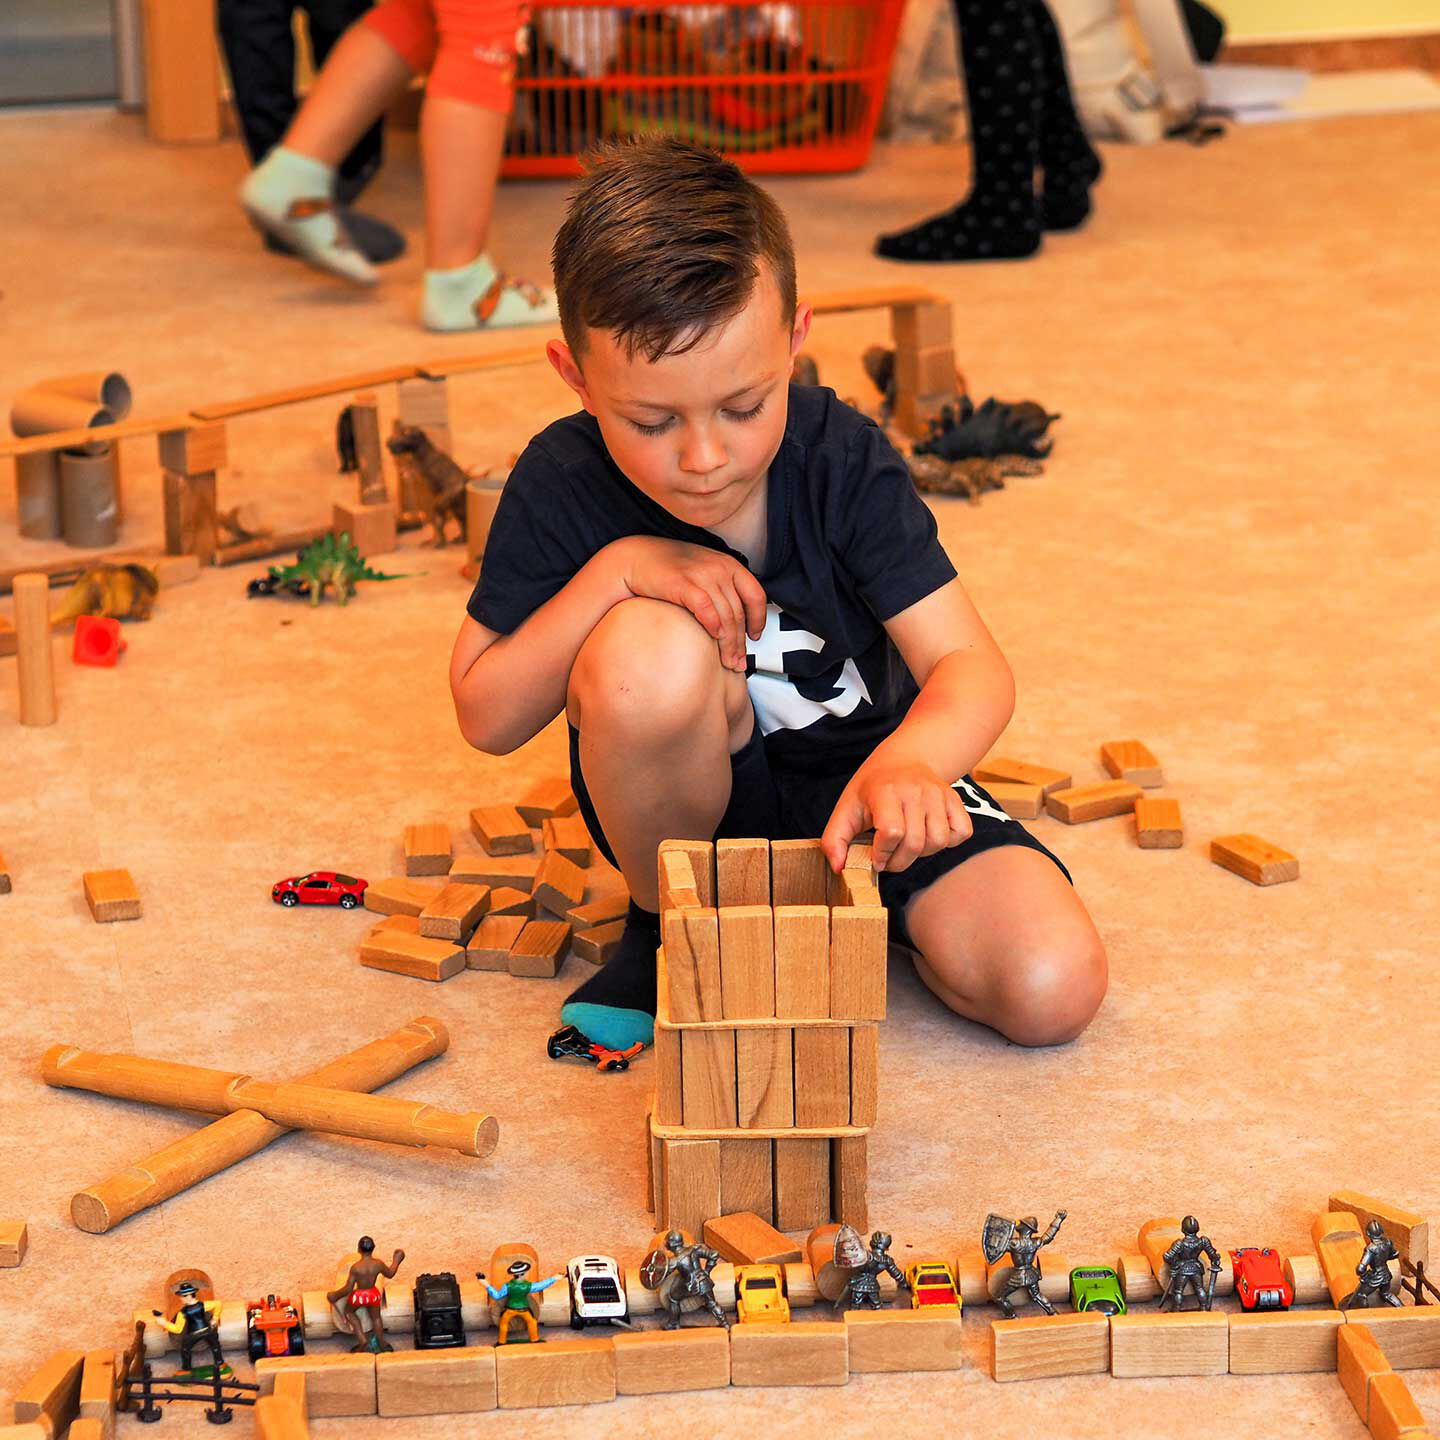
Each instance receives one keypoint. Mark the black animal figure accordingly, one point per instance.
(998, 427)
(345, 440)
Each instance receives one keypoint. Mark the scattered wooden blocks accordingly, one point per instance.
(111, 895)
(51, 1395)
(746, 1239)
(545, 800)
(14, 1241)
(1018, 801)
(1080, 803)
(436, 1382)
(596, 945)
(889, 1341)
(413, 955)
(410, 924)
(427, 850)
(455, 912)
(85, 1428)
(1393, 1411)
(97, 1392)
(1260, 862)
(1283, 1342)
(278, 1418)
(559, 1372)
(601, 911)
(1358, 1360)
(810, 1354)
(335, 1385)
(1195, 1342)
(1157, 823)
(501, 830)
(507, 900)
(1043, 1346)
(31, 1430)
(1019, 772)
(1410, 1337)
(559, 883)
(539, 950)
(567, 835)
(1131, 760)
(657, 1362)
(1409, 1231)
(495, 936)
(399, 896)
(515, 872)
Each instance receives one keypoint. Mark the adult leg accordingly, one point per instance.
(259, 50)
(1004, 939)
(327, 21)
(1067, 158)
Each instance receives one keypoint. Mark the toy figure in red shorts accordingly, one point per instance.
(361, 1291)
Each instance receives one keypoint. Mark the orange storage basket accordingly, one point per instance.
(793, 87)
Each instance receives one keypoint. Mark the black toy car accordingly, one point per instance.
(269, 585)
(569, 1043)
(438, 1324)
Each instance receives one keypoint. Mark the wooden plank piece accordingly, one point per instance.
(455, 912)
(662, 1362)
(1157, 823)
(1019, 801)
(1257, 860)
(546, 799)
(810, 1354)
(859, 953)
(747, 961)
(1409, 1231)
(515, 872)
(1339, 1244)
(802, 1183)
(799, 873)
(559, 883)
(691, 1185)
(1042, 1347)
(494, 937)
(1283, 1342)
(14, 1241)
(707, 1071)
(822, 1077)
(702, 866)
(668, 1108)
(864, 1074)
(747, 1177)
(1080, 803)
(427, 849)
(746, 1239)
(567, 835)
(765, 1078)
(1131, 760)
(1393, 1411)
(111, 895)
(539, 951)
(1358, 1360)
(1196, 1342)
(436, 1382)
(850, 1180)
(1020, 772)
(692, 964)
(607, 908)
(52, 1394)
(97, 1390)
(742, 872)
(500, 830)
(559, 1372)
(1409, 1337)
(893, 1341)
(335, 1385)
(508, 900)
(597, 944)
(802, 961)
(414, 955)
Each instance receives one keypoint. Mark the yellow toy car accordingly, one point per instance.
(760, 1293)
(932, 1285)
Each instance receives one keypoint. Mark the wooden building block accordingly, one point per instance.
(373, 529)
(799, 873)
(35, 649)
(1339, 1244)
(514, 872)
(194, 451)
(702, 866)
(52, 1394)
(290, 1385)
(1131, 760)
(97, 1391)
(1306, 1279)
(546, 800)
(668, 1105)
(399, 895)
(1196, 1342)
(1260, 862)
(822, 1076)
(742, 872)
(802, 1183)
(1041, 1347)
(4, 877)
(490, 945)
(859, 954)
(1283, 1342)
(747, 1177)
(540, 949)
(850, 1180)
(559, 1372)
(191, 525)
(510, 900)
(800, 1289)
(925, 371)
(455, 912)
(691, 1184)
(802, 961)
(1358, 1360)
(31, 1430)
(278, 1418)
(678, 889)
(765, 1078)
(335, 1385)
(890, 1341)
(1409, 1231)
(747, 959)
(111, 895)
(659, 1362)
(1137, 1279)
(410, 924)
(568, 835)
(864, 1073)
(14, 1241)
(1410, 1337)
(707, 1078)
(810, 1354)
(84, 1428)
(919, 325)
(427, 850)
(1018, 801)
(1080, 803)
(692, 964)
(436, 1382)
(369, 455)
(603, 911)
(559, 883)
(596, 945)
(1393, 1411)
(414, 955)
(972, 1275)
(501, 831)
(1157, 823)
(1021, 772)
(746, 1239)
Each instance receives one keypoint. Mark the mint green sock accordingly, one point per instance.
(290, 196)
(477, 296)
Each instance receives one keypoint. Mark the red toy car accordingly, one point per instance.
(1259, 1279)
(320, 887)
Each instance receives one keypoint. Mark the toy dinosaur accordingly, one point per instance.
(123, 592)
(331, 560)
(997, 427)
(434, 475)
(970, 477)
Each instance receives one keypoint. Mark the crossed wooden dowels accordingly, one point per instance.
(255, 1112)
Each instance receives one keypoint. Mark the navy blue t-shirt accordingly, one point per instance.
(850, 544)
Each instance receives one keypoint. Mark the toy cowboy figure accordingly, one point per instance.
(361, 1291)
(1374, 1271)
(516, 1295)
(1186, 1268)
(862, 1284)
(683, 1278)
(195, 1323)
(1020, 1239)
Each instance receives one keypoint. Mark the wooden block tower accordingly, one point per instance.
(771, 987)
(925, 378)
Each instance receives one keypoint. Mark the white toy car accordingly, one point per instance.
(597, 1293)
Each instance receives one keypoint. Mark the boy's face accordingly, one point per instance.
(696, 432)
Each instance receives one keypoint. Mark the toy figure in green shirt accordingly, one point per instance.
(516, 1294)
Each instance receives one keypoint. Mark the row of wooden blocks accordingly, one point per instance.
(925, 370)
(73, 1387)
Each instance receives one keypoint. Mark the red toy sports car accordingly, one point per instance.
(320, 887)
(1260, 1279)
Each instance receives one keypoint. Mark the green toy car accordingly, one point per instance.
(1096, 1287)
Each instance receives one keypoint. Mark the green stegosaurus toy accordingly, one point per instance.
(331, 560)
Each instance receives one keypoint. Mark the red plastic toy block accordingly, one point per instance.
(97, 640)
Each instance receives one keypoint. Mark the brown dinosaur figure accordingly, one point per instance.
(434, 477)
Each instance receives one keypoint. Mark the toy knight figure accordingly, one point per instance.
(683, 1278)
(1019, 1237)
(1186, 1268)
(862, 1281)
(1374, 1271)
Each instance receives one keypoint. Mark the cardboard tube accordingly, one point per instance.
(100, 387)
(34, 653)
(37, 411)
(37, 495)
(88, 509)
(482, 496)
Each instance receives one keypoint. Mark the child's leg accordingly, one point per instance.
(1005, 940)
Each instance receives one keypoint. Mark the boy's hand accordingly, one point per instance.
(913, 811)
(717, 590)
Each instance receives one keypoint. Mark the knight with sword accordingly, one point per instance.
(1186, 1268)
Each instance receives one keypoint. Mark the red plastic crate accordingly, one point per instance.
(795, 87)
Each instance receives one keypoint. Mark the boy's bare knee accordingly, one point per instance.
(1049, 995)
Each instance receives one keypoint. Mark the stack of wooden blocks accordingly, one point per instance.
(771, 987)
(925, 376)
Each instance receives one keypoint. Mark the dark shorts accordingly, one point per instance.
(785, 806)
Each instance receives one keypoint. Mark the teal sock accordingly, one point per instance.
(615, 1007)
(477, 296)
(290, 196)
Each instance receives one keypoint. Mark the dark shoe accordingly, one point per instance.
(378, 242)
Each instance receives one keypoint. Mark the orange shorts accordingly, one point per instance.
(468, 46)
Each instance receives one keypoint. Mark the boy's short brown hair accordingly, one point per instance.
(661, 243)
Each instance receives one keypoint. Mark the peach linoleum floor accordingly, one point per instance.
(1232, 555)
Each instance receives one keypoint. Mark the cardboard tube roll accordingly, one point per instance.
(89, 510)
(100, 387)
(41, 412)
(482, 496)
(37, 495)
